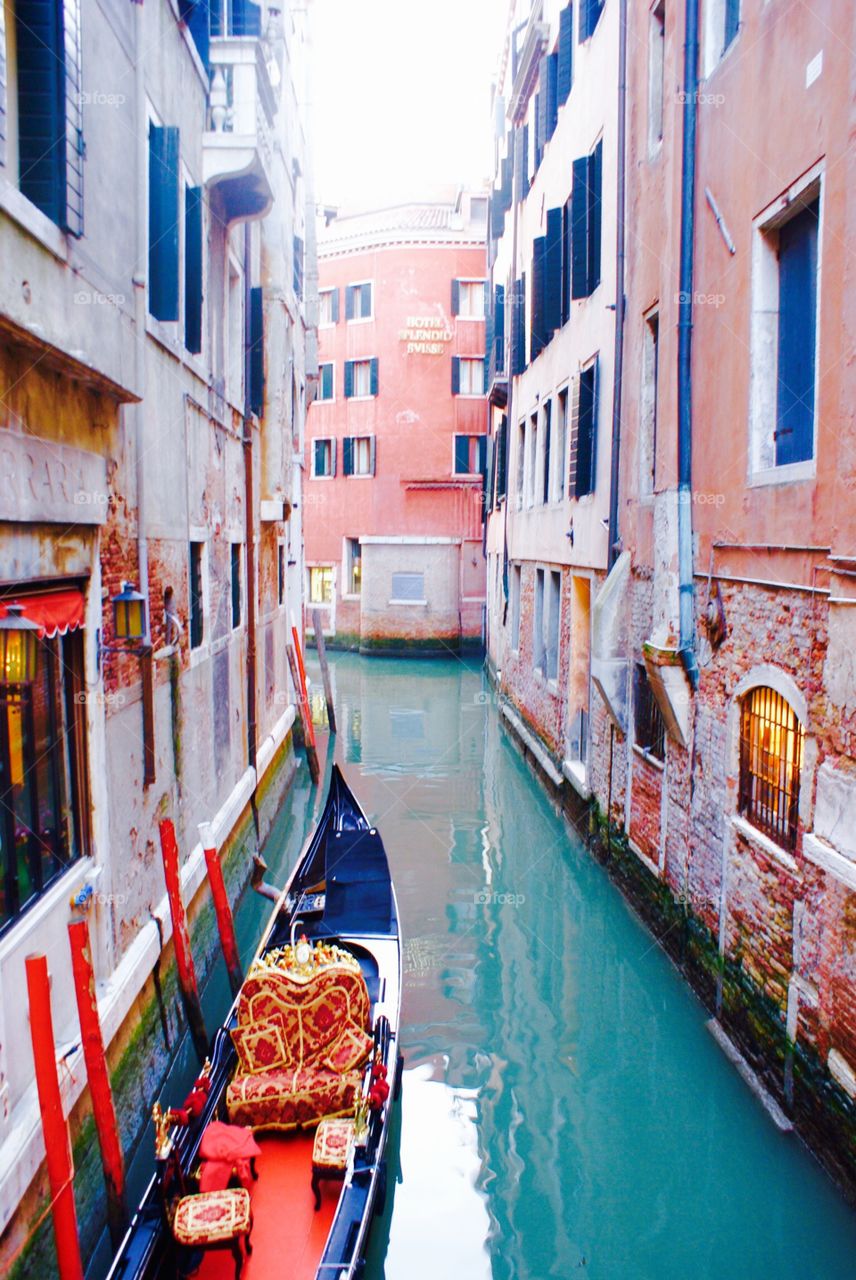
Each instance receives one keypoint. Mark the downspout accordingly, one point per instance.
(685, 328)
(612, 553)
(249, 521)
(141, 281)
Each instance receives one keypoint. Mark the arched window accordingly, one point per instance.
(771, 749)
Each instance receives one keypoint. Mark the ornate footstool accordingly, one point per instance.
(330, 1151)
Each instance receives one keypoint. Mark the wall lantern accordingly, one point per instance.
(18, 646)
(129, 613)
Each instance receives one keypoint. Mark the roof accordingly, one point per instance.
(428, 221)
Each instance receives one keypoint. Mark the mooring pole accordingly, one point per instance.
(98, 1079)
(54, 1124)
(325, 667)
(181, 939)
(305, 718)
(222, 909)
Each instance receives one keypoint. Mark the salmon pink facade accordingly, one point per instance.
(396, 450)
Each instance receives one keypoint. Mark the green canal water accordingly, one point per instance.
(565, 1112)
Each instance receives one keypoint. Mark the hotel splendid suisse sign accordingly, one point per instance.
(426, 335)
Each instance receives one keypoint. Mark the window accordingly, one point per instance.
(321, 584)
(256, 352)
(538, 651)
(582, 465)
(44, 119)
(361, 379)
(328, 307)
(408, 588)
(649, 728)
(546, 419)
(193, 269)
(521, 463)
(164, 222)
(531, 460)
(515, 607)
(355, 566)
(561, 446)
(43, 785)
(648, 406)
(502, 459)
(721, 24)
(280, 573)
(325, 381)
(298, 255)
(236, 552)
(358, 301)
(566, 53)
(590, 11)
(468, 299)
(586, 223)
(468, 375)
(235, 312)
(197, 624)
(771, 749)
(554, 611)
(470, 455)
(656, 66)
(323, 459)
(784, 334)
(358, 456)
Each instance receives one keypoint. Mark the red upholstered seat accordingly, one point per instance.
(332, 1143)
(212, 1217)
(290, 1099)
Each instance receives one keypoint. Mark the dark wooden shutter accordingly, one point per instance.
(193, 269)
(349, 301)
(319, 457)
(372, 454)
(349, 379)
(553, 273)
(334, 306)
(462, 455)
(257, 351)
(548, 431)
(590, 11)
(499, 327)
(587, 432)
(334, 455)
(566, 53)
(566, 262)
(538, 128)
(574, 434)
(41, 105)
(732, 22)
(456, 297)
(551, 92)
(537, 334)
(795, 392)
(348, 456)
(195, 14)
(456, 375)
(327, 382)
(502, 458)
(521, 161)
(73, 113)
(298, 266)
(163, 222)
(373, 377)
(518, 327)
(579, 228)
(595, 184)
(246, 18)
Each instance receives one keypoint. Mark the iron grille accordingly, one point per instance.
(771, 746)
(649, 725)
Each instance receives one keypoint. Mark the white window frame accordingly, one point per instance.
(713, 35)
(761, 464)
(356, 440)
(648, 405)
(200, 652)
(348, 567)
(515, 588)
(354, 362)
(321, 604)
(353, 284)
(560, 456)
(468, 361)
(332, 441)
(469, 281)
(319, 399)
(325, 324)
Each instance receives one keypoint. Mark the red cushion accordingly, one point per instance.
(290, 1099)
(211, 1217)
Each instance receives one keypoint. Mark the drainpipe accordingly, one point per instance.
(510, 432)
(141, 303)
(612, 554)
(685, 327)
(249, 512)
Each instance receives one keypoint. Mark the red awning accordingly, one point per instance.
(55, 612)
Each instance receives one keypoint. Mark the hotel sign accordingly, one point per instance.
(51, 482)
(426, 335)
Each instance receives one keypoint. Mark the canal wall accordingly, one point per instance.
(757, 1017)
(142, 1052)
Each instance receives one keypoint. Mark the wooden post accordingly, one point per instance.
(181, 938)
(305, 717)
(225, 923)
(325, 667)
(98, 1078)
(54, 1125)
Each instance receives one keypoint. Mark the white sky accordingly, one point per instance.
(401, 96)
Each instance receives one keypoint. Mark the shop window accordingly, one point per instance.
(771, 751)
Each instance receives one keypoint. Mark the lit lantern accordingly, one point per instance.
(18, 646)
(129, 613)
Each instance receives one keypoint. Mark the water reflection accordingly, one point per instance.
(564, 1108)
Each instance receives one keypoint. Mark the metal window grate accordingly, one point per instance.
(771, 746)
(649, 725)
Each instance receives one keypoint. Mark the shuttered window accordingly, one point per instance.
(358, 301)
(325, 381)
(553, 273)
(197, 550)
(195, 14)
(502, 459)
(565, 75)
(468, 299)
(361, 378)
(328, 309)
(518, 327)
(358, 456)
(582, 465)
(470, 455)
(586, 223)
(499, 328)
(521, 161)
(550, 90)
(323, 458)
(590, 11)
(731, 22)
(566, 262)
(468, 376)
(537, 331)
(797, 323)
(163, 222)
(257, 352)
(193, 282)
(298, 257)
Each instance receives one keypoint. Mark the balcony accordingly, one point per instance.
(237, 150)
(527, 61)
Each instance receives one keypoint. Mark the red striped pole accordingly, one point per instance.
(54, 1125)
(98, 1078)
(305, 717)
(181, 939)
(222, 910)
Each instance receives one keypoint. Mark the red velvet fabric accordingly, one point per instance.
(226, 1148)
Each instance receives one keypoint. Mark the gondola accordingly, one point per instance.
(292, 1135)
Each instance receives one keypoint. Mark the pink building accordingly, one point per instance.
(396, 445)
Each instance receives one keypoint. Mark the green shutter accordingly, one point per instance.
(349, 379)
(349, 302)
(193, 269)
(163, 222)
(327, 382)
(372, 454)
(348, 456)
(318, 469)
(551, 91)
(501, 458)
(41, 105)
(334, 307)
(366, 308)
(456, 297)
(297, 254)
(462, 455)
(257, 352)
(196, 15)
(553, 273)
(579, 229)
(587, 432)
(595, 182)
(373, 377)
(566, 53)
(72, 112)
(456, 375)
(537, 333)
